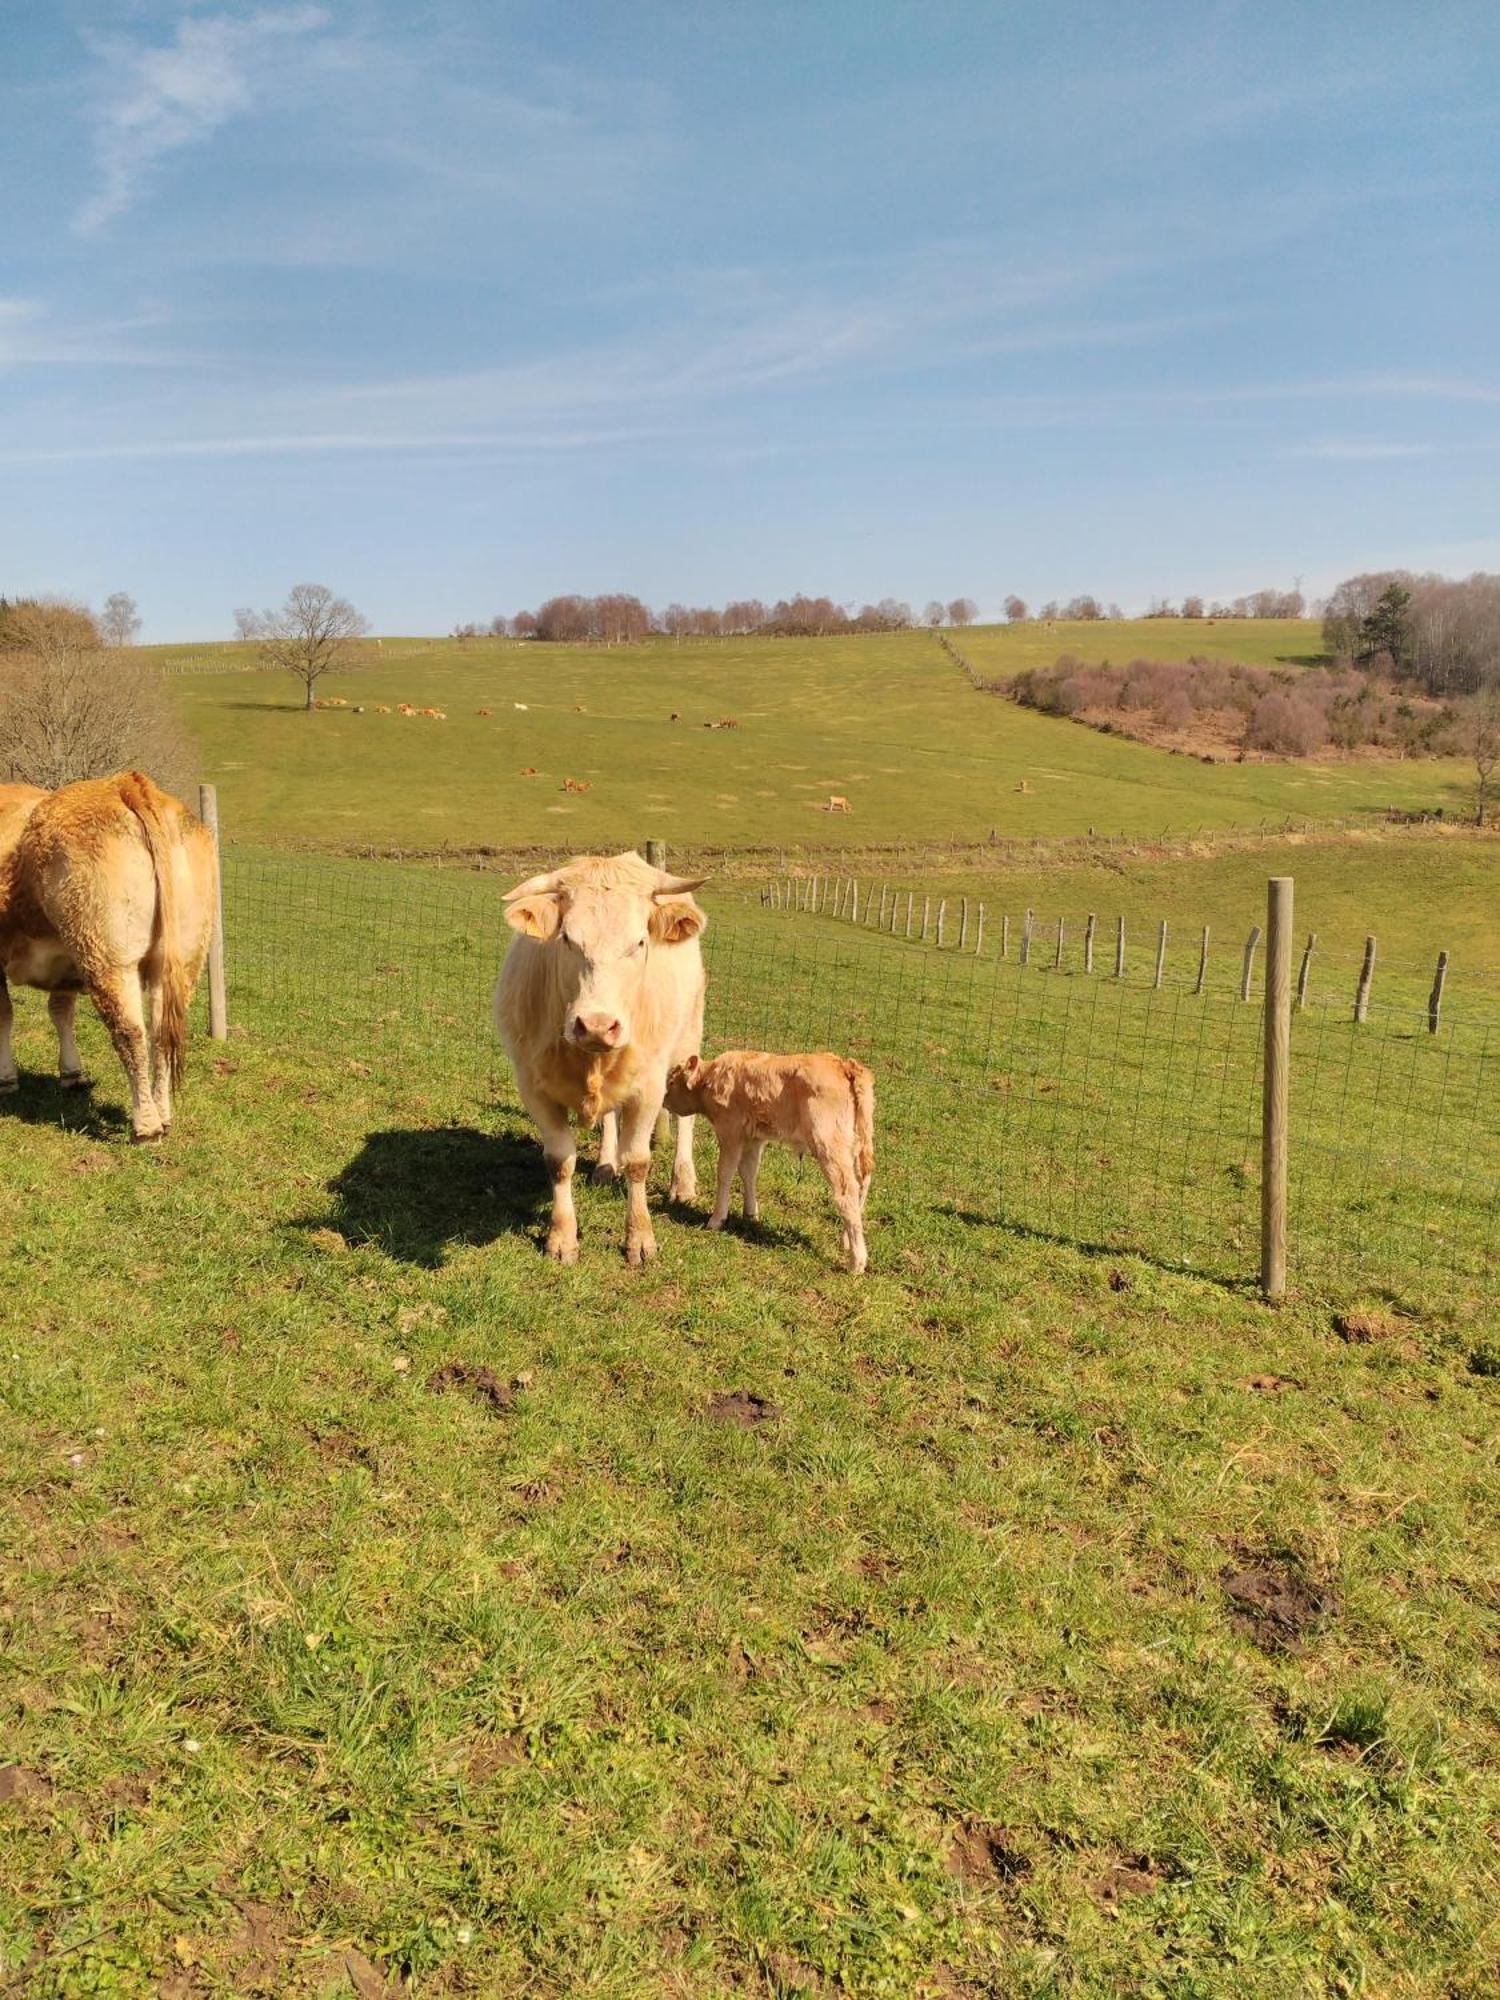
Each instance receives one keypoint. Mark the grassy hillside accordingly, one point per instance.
(887, 721)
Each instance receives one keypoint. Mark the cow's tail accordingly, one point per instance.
(862, 1090)
(145, 801)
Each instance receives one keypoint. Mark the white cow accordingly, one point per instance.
(600, 994)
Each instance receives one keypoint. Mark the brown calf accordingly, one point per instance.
(819, 1104)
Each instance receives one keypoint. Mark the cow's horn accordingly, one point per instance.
(678, 885)
(539, 885)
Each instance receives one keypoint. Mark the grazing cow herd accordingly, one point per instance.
(108, 887)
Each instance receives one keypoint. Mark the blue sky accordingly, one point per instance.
(454, 306)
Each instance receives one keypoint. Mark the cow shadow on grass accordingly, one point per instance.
(42, 1100)
(420, 1194)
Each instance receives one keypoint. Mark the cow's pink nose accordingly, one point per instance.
(597, 1028)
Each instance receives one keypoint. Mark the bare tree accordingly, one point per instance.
(40, 624)
(1015, 609)
(934, 615)
(120, 623)
(70, 712)
(245, 622)
(962, 611)
(312, 634)
(1483, 734)
(1192, 607)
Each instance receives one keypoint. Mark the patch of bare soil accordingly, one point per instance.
(742, 1407)
(1276, 1606)
(18, 1786)
(1360, 1329)
(1124, 1878)
(482, 1382)
(494, 1754)
(984, 1855)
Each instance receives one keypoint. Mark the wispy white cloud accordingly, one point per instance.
(33, 337)
(161, 99)
(1353, 451)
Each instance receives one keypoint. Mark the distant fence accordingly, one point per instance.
(1017, 1092)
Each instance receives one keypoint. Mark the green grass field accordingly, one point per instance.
(1053, 1622)
(888, 722)
(1026, 1619)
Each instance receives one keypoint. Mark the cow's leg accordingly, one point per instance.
(119, 1001)
(637, 1119)
(684, 1173)
(843, 1181)
(561, 1152)
(749, 1170)
(8, 1078)
(63, 1007)
(607, 1168)
(161, 1075)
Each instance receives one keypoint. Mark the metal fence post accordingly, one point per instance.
(1273, 1165)
(218, 999)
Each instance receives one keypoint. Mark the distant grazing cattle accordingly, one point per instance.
(1024, 786)
(600, 994)
(528, 770)
(107, 887)
(674, 716)
(382, 708)
(523, 706)
(481, 711)
(725, 722)
(818, 1104)
(576, 785)
(837, 803)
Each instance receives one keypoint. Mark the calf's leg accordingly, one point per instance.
(731, 1147)
(8, 1079)
(684, 1174)
(749, 1171)
(607, 1167)
(843, 1182)
(63, 1007)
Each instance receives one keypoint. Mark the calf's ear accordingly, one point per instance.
(534, 916)
(675, 919)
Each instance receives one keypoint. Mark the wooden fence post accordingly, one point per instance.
(854, 905)
(1005, 936)
(1119, 947)
(942, 919)
(1202, 961)
(884, 892)
(926, 908)
(1366, 976)
(1435, 998)
(979, 932)
(1306, 968)
(1088, 941)
(1026, 922)
(656, 854)
(1248, 974)
(218, 998)
(1273, 1162)
(1057, 954)
(1161, 952)
(963, 923)
(908, 912)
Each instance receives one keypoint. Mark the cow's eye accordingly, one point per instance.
(639, 945)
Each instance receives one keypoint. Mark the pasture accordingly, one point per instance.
(384, 1604)
(888, 721)
(382, 1609)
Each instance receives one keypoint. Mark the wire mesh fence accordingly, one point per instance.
(1102, 1110)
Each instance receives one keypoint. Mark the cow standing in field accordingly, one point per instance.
(819, 1104)
(600, 994)
(107, 887)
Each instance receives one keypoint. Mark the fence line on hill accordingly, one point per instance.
(1018, 1090)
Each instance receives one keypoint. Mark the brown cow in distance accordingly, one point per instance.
(107, 888)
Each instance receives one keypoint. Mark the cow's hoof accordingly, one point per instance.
(604, 1175)
(640, 1252)
(74, 1079)
(562, 1249)
(684, 1187)
(717, 1221)
(149, 1138)
(9, 1085)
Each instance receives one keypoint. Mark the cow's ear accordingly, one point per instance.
(675, 919)
(534, 916)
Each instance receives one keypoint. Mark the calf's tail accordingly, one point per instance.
(144, 800)
(862, 1090)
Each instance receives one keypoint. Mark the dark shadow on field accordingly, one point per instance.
(42, 1100)
(418, 1193)
(1247, 1285)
